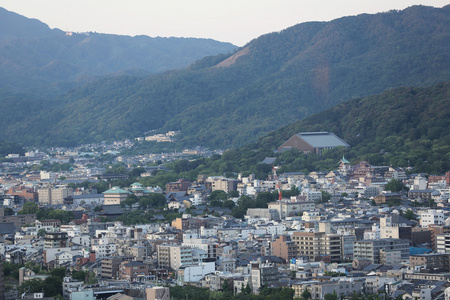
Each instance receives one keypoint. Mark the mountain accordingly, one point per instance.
(402, 127)
(230, 100)
(33, 55)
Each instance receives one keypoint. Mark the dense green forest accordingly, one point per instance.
(403, 127)
(230, 100)
(8, 147)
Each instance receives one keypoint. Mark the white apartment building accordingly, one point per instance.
(103, 248)
(431, 217)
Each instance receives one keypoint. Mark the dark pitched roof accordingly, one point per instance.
(7, 228)
(111, 209)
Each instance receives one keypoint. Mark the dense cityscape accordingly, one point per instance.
(312, 162)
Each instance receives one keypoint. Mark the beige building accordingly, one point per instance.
(395, 227)
(158, 293)
(174, 256)
(289, 208)
(115, 195)
(222, 183)
(319, 244)
(53, 196)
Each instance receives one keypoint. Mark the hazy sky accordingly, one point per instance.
(235, 21)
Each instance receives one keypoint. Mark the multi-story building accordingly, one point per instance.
(222, 183)
(287, 208)
(317, 245)
(370, 249)
(320, 289)
(56, 240)
(104, 249)
(435, 230)
(181, 185)
(188, 223)
(115, 195)
(133, 270)
(395, 226)
(110, 266)
(174, 256)
(285, 248)
(431, 261)
(431, 217)
(263, 274)
(443, 243)
(53, 196)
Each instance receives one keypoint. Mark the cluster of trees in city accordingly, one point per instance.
(46, 213)
(51, 286)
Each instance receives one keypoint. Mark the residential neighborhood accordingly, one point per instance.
(356, 230)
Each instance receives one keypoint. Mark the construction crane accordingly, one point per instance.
(277, 185)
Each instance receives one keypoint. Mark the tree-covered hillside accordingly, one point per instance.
(403, 127)
(231, 100)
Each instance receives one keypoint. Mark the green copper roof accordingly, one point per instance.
(116, 190)
(344, 160)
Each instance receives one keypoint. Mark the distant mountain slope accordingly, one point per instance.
(32, 54)
(15, 26)
(230, 100)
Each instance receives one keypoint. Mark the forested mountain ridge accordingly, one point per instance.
(32, 54)
(280, 77)
(402, 127)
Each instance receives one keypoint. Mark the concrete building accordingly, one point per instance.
(319, 246)
(431, 261)
(222, 183)
(133, 270)
(194, 273)
(370, 249)
(431, 217)
(285, 248)
(263, 274)
(110, 266)
(318, 290)
(56, 240)
(287, 208)
(174, 256)
(53, 196)
(395, 226)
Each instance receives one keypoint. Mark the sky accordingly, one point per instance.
(234, 21)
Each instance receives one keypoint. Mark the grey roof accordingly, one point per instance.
(322, 139)
(7, 228)
(268, 160)
(114, 209)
